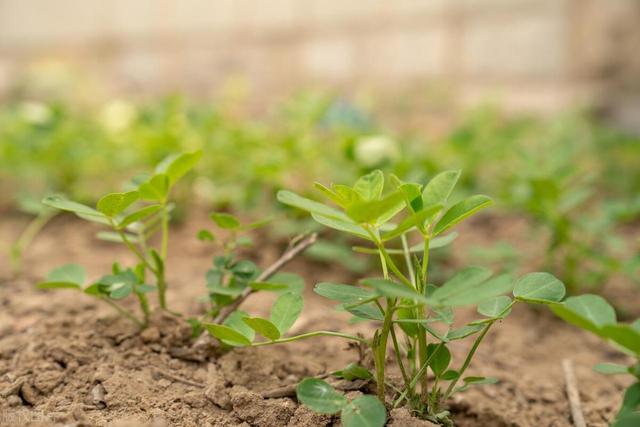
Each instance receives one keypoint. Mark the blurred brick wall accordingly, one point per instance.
(532, 54)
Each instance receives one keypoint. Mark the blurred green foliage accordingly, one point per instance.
(576, 179)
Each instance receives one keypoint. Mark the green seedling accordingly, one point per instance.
(412, 314)
(41, 217)
(133, 217)
(594, 314)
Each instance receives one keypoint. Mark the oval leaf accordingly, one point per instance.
(263, 327)
(495, 307)
(541, 288)
(343, 293)
(320, 396)
(460, 211)
(227, 335)
(69, 273)
(225, 220)
(285, 311)
(114, 203)
(589, 312)
(364, 411)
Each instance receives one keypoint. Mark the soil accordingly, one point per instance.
(66, 359)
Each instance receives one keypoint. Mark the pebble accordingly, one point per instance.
(150, 335)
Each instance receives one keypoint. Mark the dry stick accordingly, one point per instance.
(295, 247)
(572, 394)
(176, 378)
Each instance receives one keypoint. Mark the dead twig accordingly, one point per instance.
(572, 394)
(178, 379)
(290, 390)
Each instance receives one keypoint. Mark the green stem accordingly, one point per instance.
(144, 306)
(380, 350)
(27, 236)
(407, 259)
(468, 359)
(124, 312)
(396, 348)
(422, 332)
(417, 376)
(310, 335)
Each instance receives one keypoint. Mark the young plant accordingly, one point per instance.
(594, 314)
(134, 217)
(404, 303)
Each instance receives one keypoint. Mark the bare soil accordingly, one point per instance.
(66, 359)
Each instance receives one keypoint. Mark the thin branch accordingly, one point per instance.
(572, 394)
(294, 249)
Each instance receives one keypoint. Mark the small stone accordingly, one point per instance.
(29, 393)
(164, 383)
(150, 335)
(14, 400)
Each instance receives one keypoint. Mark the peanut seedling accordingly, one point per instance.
(412, 314)
(134, 217)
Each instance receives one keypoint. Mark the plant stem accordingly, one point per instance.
(396, 348)
(123, 311)
(468, 359)
(310, 335)
(407, 259)
(380, 350)
(422, 332)
(27, 236)
(144, 305)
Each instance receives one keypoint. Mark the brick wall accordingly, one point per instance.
(532, 54)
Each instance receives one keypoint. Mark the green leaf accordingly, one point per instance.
(411, 221)
(364, 411)
(630, 407)
(450, 375)
(58, 285)
(235, 321)
(623, 335)
(175, 167)
(589, 312)
(347, 226)
(481, 292)
(460, 286)
(83, 211)
(263, 327)
(364, 311)
(438, 190)
(320, 396)
(463, 332)
(205, 236)
(388, 288)
(139, 215)
(460, 211)
(343, 293)
(541, 288)
(112, 236)
(495, 307)
(155, 189)
(227, 335)
(353, 371)
(377, 211)
(480, 380)
(611, 369)
(331, 195)
(285, 311)
(369, 187)
(114, 203)
(225, 220)
(440, 358)
(279, 282)
(292, 199)
(68, 273)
